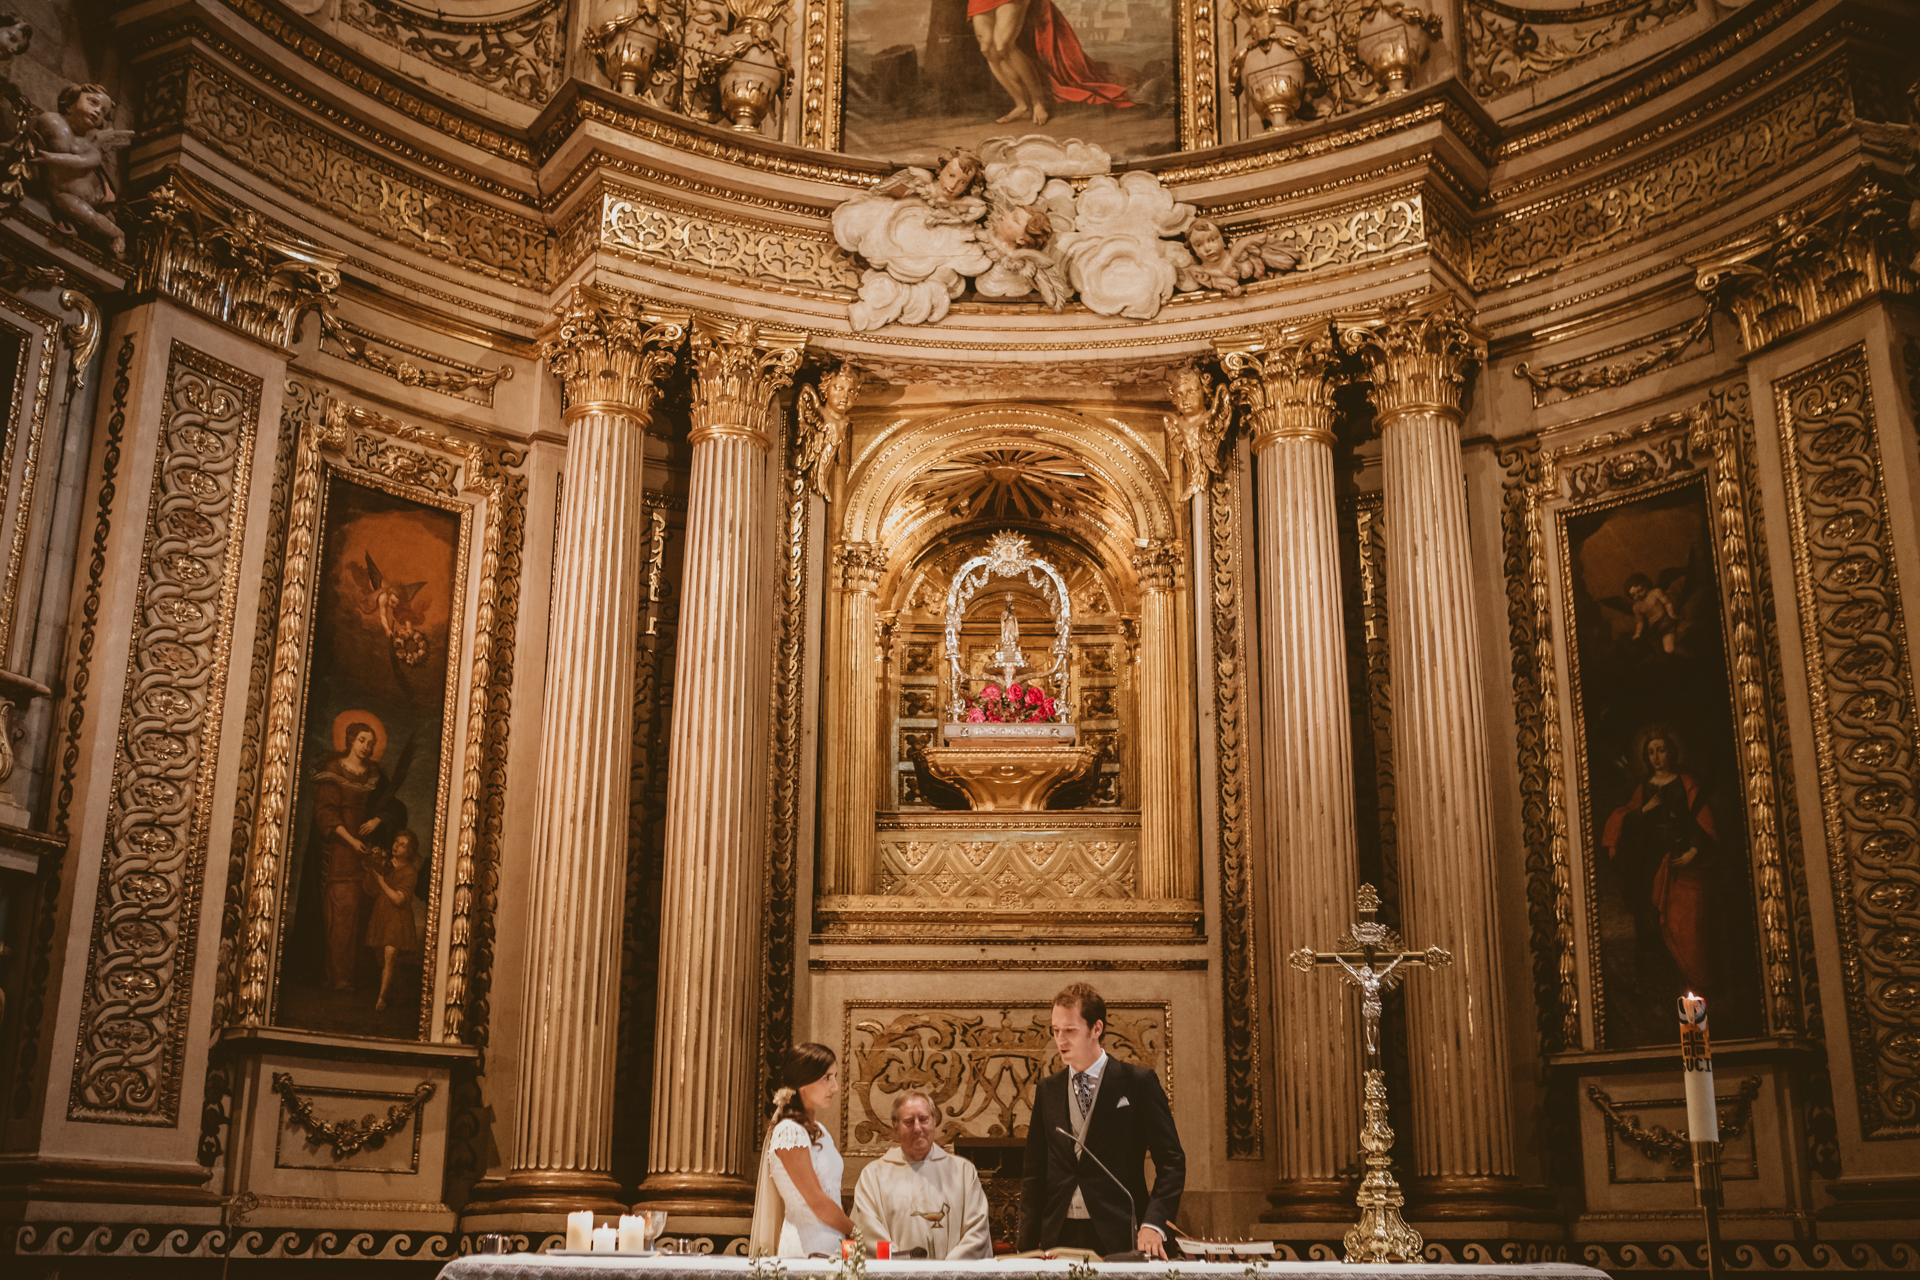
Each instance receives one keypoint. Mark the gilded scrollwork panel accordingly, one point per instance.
(1860, 679)
(138, 988)
(726, 246)
(1509, 47)
(521, 55)
(1667, 187)
(980, 1061)
(348, 181)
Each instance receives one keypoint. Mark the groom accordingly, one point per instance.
(1113, 1113)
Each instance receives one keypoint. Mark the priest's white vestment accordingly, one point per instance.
(897, 1201)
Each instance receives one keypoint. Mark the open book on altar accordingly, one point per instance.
(1062, 1254)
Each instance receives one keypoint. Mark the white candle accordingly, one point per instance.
(1696, 1061)
(580, 1230)
(604, 1239)
(633, 1233)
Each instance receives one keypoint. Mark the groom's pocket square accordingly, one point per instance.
(1122, 1103)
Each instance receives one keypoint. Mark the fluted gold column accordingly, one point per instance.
(704, 1117)
(608, 355)
(1162, 874)
(1285, 380)
(1418, 357)
(852, 772)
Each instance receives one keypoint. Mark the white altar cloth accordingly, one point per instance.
(534, 1266)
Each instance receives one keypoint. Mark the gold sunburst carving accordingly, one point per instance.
(1014, 482)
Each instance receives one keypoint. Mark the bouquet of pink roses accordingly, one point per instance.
(1017, 704)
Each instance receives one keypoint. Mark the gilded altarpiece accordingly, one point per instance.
(1651, 774)
(135, 998)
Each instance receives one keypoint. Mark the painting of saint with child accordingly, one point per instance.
(357, 952)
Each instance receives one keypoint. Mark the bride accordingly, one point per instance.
(796, 1211)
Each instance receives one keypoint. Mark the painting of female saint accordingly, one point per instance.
(924, 78)
(1667, 869)
(358, 946)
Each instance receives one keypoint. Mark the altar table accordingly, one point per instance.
(534, 1266)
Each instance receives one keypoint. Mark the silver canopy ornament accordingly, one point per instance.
(1009, 555)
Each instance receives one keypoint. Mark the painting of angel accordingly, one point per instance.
(357, 946)
(923, 78)
(1667, 863)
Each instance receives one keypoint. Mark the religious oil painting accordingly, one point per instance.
(922, 78)
(364, 851)
(1669, 879)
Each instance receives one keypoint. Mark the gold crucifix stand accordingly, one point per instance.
(1370, 958)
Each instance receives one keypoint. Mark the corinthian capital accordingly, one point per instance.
(1285, 378)
(223, 260)
(861, 565)
(1418, 354)
(1157, 561)
(609, 352)
(737, 370)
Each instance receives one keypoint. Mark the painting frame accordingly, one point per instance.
(1698, 445)
(467, 478)
(821, 38)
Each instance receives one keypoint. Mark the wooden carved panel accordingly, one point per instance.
(138, 987)
(979, 1061)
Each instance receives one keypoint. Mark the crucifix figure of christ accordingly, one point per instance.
(1369, 957)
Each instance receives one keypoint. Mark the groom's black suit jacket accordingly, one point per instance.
(1130, 1119)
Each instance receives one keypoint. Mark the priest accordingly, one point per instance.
(918, 1196)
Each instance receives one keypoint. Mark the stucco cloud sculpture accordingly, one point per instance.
(1007, 219)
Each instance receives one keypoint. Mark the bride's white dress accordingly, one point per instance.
(802, 1233)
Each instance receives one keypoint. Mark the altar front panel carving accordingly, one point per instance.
(980, 1062)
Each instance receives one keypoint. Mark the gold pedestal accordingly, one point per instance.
(1002, 768)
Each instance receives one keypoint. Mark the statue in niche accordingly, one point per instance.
(1202, 417)
(73, 144)
(1223, 266)
(1008, 659)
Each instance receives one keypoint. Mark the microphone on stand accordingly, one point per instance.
(1133, 1217)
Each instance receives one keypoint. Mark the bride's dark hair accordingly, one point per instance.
(806, 1063)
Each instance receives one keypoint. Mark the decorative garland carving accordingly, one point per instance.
(1506, 49)
(138, 986)
(521, 55)
(1862, 689)
(437, 373)
(298, 406)
(47, 918)
(789, 698)
(348, 1137)
(1239, 963)
(1574, 378)
(1715, 436)
(1661, 1143)
(1543, 818)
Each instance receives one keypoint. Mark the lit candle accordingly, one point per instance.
(1696, 1061)
(604, 1239)
(633, 1233)
(580, 1231)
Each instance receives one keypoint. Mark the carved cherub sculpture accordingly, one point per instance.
(953, 191)
(15, 110)
(1223, 266)
(823, 412)
(73, 144)
(1016, 238)
(1202, 417)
